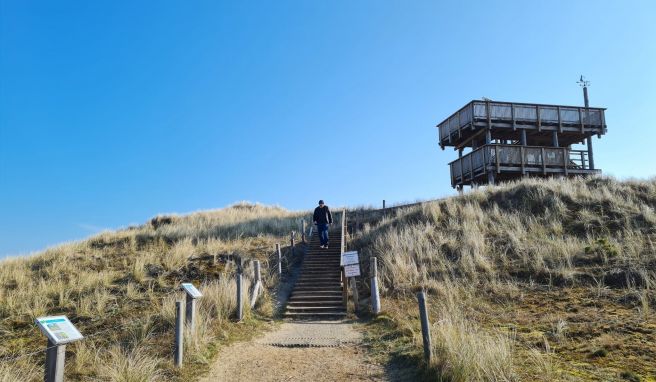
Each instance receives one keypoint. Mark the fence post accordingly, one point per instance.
(190, 311)
(258, 283)
(292, 242)
(425, 326)
(240, 285)
(303, 232)
(55, 358)
(356, 297)
(279, 259)
(344, 289)
(179, 335)
(375, 296)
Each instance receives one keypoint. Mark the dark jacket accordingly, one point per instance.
(322, 215)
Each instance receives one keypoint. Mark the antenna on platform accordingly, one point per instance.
(584, 84)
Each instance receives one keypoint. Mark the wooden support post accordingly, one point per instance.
(537, 115)
(279, 253)
(55, 358)
(425, 326)
(303, 232)
(190, 312)
(291, 235)
(344, 289)
(544, 163)
(522, 137)
(383, 205)
(179, 335)
(356, 297)
(554, 139)
(258, 283)
(240, 286)
(590, 156)
(375, 296)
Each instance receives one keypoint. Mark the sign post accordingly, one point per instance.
(351, 263)
(190, 303)
(59, 331)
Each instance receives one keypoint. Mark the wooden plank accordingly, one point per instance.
(523, 154)
(537, 115)
(565, 159)
(544, 163)
(560, 121)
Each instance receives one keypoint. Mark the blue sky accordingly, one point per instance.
(113, 111)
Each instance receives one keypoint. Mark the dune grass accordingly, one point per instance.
(526, 280)
(120, 288)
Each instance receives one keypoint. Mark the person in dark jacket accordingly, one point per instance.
(322, 218)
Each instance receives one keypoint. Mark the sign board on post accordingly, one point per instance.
(191, 290)
(58, 329)
(352, 270)
(351, 263)
(349, 258)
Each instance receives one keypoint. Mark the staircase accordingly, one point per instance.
(318, 291)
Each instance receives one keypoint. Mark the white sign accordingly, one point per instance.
(349, 258)
(191, 290)
(58, 329)
(352, 270)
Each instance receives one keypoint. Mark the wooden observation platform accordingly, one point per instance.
(510, 140)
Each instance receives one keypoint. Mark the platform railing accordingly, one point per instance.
(499, 157)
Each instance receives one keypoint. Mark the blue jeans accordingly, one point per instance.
(323, 233)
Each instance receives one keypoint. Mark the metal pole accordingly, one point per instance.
(279, 259)
(240, 285)
(375, 296)
(55, 358)
(588, 140)
(425, 326)
(190, 312)
(179, 335)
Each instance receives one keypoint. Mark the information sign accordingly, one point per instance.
(352, 270)
(191, 290)
(349, 258)
(58, 329)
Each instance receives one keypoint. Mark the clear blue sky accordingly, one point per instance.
(114, 111)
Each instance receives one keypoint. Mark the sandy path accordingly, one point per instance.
(299, 351)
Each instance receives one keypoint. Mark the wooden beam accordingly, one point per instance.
(466, 141)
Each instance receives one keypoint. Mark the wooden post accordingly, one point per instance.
(179, 335)
(375, 296)
(425, 326)
(55, 358)
(383, 204)
(190, 311)
(344, 289)
(258, 283)
(240, 285)
(279, 259)
(291, 235)
(303, 232)
(356, 298)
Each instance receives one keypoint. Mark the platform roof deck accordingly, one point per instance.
(574, 123)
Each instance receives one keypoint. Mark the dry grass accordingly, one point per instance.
(125, 284)
(517, 272)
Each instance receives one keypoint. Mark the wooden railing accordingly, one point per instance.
(501, 158)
